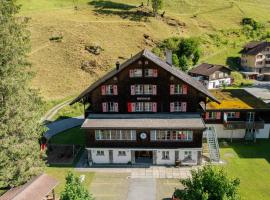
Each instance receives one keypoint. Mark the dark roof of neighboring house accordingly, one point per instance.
(254, 47)
(135, 121)
(206, 69)
(36, 189)
(149, 55)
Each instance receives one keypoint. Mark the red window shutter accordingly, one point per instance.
(104, 107)
(132, 89)
(103, 90)
(184, 88)
(116, 107)
(129, 107)
(154, 90)
(155, 72)
(218, 115)
(154, 107)
(207, 115)
(131, 73)
(184, 106)
(237, 114)
(172, 89)
(171, 107)
(115, 90)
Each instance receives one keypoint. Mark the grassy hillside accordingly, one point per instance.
(119, 29)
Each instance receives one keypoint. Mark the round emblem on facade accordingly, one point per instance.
(143, 136)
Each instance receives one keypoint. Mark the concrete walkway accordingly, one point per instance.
(142, 189)
(160, 172)
(62, 125)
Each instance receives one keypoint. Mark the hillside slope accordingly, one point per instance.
(119, 27)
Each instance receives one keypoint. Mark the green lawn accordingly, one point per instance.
(69, 111)
(250, 163)
(71, 136)
(60, 173)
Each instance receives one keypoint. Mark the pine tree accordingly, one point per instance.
(20, 106)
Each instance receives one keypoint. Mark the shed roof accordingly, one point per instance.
(36, 189)
(152, 57)
(236, 99)
(138, 121)
(206, 69)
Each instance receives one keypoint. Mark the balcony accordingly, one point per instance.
(243, 124)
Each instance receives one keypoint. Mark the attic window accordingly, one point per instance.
(146, 62)
(140, 62)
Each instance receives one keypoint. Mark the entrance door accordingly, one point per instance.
(144, 157)
(111, 156)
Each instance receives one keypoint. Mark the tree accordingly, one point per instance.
(74, 189)
(157, 5)
(20, 106)
(209, 183)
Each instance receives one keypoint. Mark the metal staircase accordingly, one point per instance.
(213, 146)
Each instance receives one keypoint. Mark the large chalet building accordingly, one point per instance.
(147, 111)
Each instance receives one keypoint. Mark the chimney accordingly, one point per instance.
(168, 54)
(117, 64)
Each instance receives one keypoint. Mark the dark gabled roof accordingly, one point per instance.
(206, 69)
(36, 189)
(155, 59)
(138, 121)
(254, 47)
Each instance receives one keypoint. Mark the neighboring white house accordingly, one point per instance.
(212, 76)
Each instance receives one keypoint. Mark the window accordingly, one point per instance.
(171, 135)
(212, 115)
(231, 114)
(142, 107)
(135, 73)
(143, 89)
(148, 89)
(150, 72)
(178, 106)
(187, 155)
(121, 153)
(109, 90)
(214, 76)
(165, 155)
(220, 75)
(139, 107)
(100, 153)
(267, 62)
(267, 55)
(178, 89)
(138, 89)
(148, 106)
(109, 107)
(115, 135)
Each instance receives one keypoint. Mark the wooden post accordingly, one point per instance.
(53, 193)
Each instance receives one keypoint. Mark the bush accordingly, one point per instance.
(209, 183)
(74, 189)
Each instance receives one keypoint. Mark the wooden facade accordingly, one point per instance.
(163, 97)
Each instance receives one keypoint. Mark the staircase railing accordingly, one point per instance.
(213, 145)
